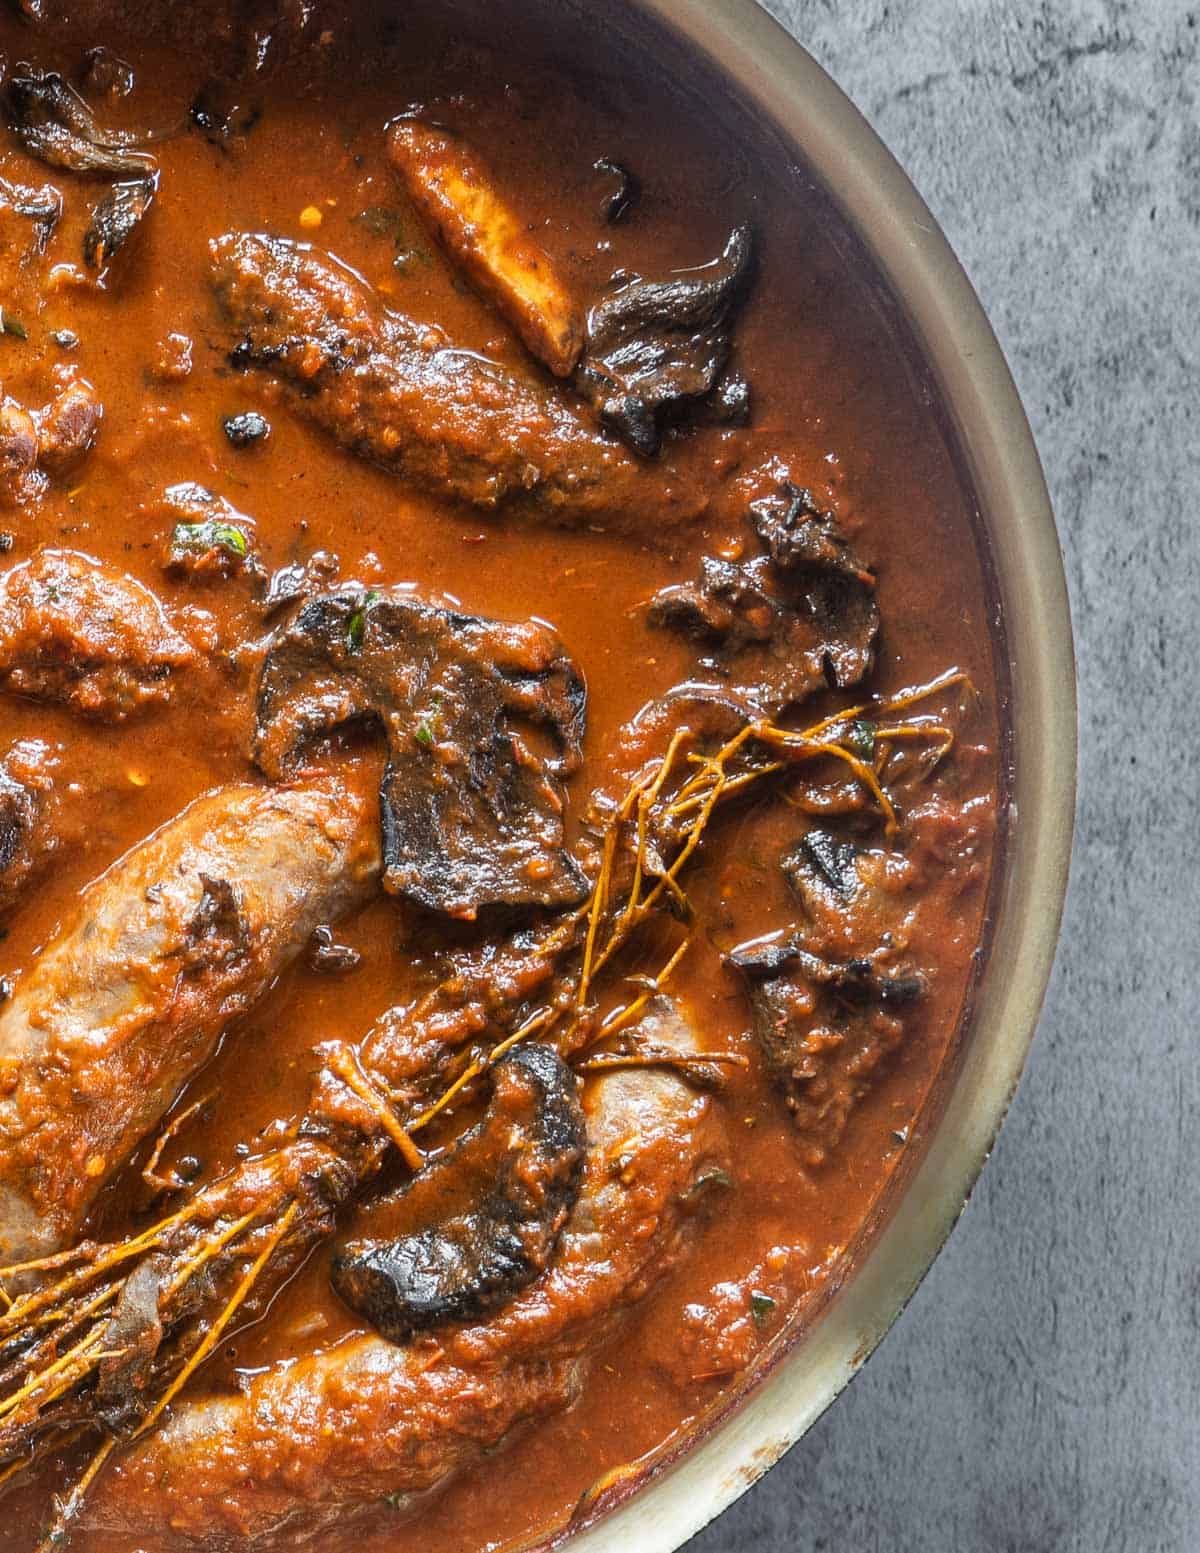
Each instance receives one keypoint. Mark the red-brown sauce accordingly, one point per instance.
(834, 389)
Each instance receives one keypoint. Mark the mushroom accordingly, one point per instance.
(656, 346)
(461, 1264)
(53, 123)
(472, 808)
(798, 617)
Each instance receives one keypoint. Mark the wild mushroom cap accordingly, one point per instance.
(472, 800)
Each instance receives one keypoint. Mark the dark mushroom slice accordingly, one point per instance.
(472, 808)
(397, 392)
(458, 198)
(656, 346)
(116, 218)
(821, 860)
(830, 998)
(798, 617)
(824, 1029)
(798, 535)
(76, 631)
(52, 123)
(525, 1159)
(405, 1426)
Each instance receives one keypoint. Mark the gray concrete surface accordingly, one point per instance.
(1041, 1391)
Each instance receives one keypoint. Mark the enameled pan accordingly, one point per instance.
(748, 55)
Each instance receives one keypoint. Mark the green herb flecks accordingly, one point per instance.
(427, 729)
(356, 629)
(387, 222)
(762, 1307)
(861, 738)
(199, 538)
(12, 326)
(383, 221)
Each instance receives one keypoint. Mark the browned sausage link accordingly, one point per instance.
(399, 393)
(183, 933)
(315, 1439)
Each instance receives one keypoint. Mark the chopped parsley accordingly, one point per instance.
(356, 629)
(383, 221)
(200, 538)
(761, 1307)
(861, 738)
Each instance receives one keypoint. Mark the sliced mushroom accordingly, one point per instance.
(53, 123)
(458, 198)
(116, 218)
(526, 1157)
(472, 811)
(799, 617)
(830, 997)
(655, 346)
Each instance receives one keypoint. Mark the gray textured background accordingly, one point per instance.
(1041, 1391)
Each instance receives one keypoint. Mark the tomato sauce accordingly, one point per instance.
(835, 391)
